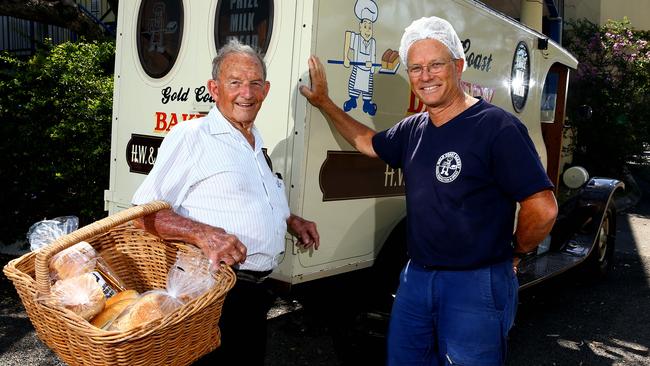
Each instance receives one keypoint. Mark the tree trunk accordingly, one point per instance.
(63, 13)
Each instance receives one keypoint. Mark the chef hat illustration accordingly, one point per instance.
(432, 28)
(366, 9)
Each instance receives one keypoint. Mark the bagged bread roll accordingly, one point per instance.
(73, 261)
(150, 306)
(82, 258)
(81, 294)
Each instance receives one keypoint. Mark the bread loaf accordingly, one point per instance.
(81, 294)
(150, 306)
(389, 59)
(121, 296)
(104, 319)
(73, 261)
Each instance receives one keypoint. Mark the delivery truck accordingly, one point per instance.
(163, 60)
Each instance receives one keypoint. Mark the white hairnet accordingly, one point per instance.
(432, 28)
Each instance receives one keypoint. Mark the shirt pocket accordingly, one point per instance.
(279, 197)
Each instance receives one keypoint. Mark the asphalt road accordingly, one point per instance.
(567, 321)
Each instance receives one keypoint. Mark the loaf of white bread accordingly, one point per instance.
(114, 307)
(149, 306)
(80, 294)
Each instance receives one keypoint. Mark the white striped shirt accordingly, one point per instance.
(208, 172)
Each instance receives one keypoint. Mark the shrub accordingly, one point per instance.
(613, 78)
(55, 121)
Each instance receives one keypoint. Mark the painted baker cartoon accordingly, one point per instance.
(359, 52)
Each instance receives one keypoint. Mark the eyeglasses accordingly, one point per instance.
(432, 67)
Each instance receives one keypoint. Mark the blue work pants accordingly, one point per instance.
(443, 317)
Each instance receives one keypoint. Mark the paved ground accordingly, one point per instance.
(568, 321)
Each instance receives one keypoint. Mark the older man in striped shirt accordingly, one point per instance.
(226, 200)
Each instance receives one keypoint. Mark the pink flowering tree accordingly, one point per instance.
(613, 78)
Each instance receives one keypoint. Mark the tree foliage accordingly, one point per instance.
(55, 119)
(613, 78)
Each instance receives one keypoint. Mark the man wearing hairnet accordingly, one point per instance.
(466, 163)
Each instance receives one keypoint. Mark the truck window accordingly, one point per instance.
(520, 77)
(160, 30)
(250, 21)
(549, 97)
(552, 118)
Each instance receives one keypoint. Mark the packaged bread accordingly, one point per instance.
(73, 261)
(83, 258)
(149, 306)
(190, 276)
(114, 307)
(80, 294)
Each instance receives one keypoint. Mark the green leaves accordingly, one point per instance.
(613, 78)
(55, 119)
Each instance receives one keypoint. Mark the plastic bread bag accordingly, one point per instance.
(149, 306)
(187, 279)
(45, 232)
(190, 276)
(83, 258)
(80, 294)
(73, 261)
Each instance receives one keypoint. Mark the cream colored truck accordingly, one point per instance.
(164, 52)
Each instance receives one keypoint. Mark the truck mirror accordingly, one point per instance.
(585, 112)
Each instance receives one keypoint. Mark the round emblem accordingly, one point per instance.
(448, 167)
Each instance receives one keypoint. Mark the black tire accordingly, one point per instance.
(601, 258)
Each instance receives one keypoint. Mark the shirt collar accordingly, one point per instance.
(220, 125)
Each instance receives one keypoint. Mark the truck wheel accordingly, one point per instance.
(601, 258)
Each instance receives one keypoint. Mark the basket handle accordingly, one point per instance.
(43, 256)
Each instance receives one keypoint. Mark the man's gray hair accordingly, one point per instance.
(235, 47)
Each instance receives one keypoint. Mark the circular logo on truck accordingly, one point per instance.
(448, 167)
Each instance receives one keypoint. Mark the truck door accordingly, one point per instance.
(552, 118)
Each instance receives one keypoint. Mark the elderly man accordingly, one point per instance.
(466, 163)
(226, 200)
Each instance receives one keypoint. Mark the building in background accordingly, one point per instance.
(599, 11)
(22, 37)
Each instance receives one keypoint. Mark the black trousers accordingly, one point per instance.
(243, 326)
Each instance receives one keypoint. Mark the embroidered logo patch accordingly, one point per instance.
(448, 167)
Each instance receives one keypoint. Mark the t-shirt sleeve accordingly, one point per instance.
(389, 145)
(168, 179)
(516, 164)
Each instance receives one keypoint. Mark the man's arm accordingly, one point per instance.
(356, 133)
(535, 220)
(304, 230)
(216, 243)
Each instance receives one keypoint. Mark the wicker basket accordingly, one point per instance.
(142, 262)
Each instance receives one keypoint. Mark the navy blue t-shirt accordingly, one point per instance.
(463, 180)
